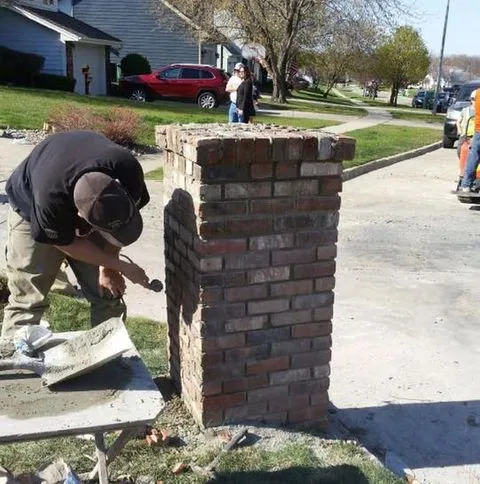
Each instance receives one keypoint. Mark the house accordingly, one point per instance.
(153, 34)
(47, 28)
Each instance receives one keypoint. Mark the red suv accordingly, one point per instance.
(202, 84)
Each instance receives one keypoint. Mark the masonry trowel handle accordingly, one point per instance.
(154, 285)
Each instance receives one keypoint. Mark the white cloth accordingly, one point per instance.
(232, 85)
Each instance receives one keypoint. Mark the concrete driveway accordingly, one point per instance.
(406, 349)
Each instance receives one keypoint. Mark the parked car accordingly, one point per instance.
(423, 99)
(189, 82)
(443, 102)
(462, 100)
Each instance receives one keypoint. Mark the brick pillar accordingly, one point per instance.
(250, 230)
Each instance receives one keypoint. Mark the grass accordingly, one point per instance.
(156, 175)
(318, 95)
(381, 141)
(29, 108)
(424, 115)
(307, 458)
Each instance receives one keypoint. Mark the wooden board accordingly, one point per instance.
(119, 395)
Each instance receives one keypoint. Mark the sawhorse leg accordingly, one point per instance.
(107, 456)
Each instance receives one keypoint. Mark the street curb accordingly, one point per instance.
(351, 173)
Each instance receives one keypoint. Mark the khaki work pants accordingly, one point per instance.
(32, 269)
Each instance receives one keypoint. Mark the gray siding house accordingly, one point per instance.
(143, 32)
(46, 27)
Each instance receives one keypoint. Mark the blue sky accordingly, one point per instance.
(462, 25)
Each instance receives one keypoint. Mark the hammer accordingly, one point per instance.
(208, 471)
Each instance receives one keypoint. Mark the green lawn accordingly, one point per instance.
(381, 141)
(317, 95)
(306, 459)
(419, 115)
(29, 109)
(155, 175)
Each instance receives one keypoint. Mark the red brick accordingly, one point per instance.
(319, 400)
(249, 260)
(271, 206)
(211, 388)
(317, 203)
(278, 149)
(322, 168)
(211, 229)
(310, 148)
(261, 171)
(326, 252)
(311, 301)
(224, 371)
(229, 150)
(344, 148)
(268, 274)
(308, 414)
(330, 185)
(269, 306)
(257, 226)
(322, 343)
(291, 288)
(251, 412)
(311, 330)
(286, 170)
(240, 354)
(323, 314)
(210, 264)
(234, 279)
(319, 269)
(247, 293)
(279, 241)
(290, 347)
(222, 172)
(263, 150)
(302, 221)
(321, 371)
(211, 418)
(209, 151)
(313, 358)
(295, 188)
(246, 324)
(248, 190)
(224, 401)
(211, 295)
(266, 366)
(289, 403)
(245, 149)
(294, 148)
(210, 192)
(309, 387)
(227, 246)
(275, 418)
(291, 317)
(219, 313)
(219, 209)
(310, 239)
(295, 256)
(289, 376)
(268, 393)
(212, 359)
(268, 336)
(325, 284)
(224, 342)
(244, 384)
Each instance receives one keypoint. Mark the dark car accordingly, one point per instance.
(188, 82)
(443, 101)
(462, 100)
(423, 99)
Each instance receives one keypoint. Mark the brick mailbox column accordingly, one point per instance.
(251, 220)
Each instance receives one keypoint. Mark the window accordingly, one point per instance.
(189, 73)
(170, 73)
(207, 74)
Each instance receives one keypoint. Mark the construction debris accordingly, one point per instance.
(179, 467)
(155, 436)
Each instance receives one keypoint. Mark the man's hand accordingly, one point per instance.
(112, 281)
(134, 273)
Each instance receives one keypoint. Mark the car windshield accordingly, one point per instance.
(466, 91)
(421, 94)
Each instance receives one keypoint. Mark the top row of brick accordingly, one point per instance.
(220, 144)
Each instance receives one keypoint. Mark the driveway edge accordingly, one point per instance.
(356, 171)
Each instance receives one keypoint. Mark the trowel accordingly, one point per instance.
(77, 355)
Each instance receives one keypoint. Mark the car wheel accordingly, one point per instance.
(138, 95)
(448, 142)
(207, 100)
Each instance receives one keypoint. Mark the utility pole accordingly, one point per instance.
(440, 67)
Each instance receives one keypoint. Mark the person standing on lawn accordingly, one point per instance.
(245, 102)
(77, 196)
(232, 87)
(474, 156)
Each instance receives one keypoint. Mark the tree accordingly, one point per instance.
(282, 27)
(402, 59)
(341, 52)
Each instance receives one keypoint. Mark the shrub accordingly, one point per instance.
(52, 81)
(133, 64)
(121, 125)
(19, 67)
